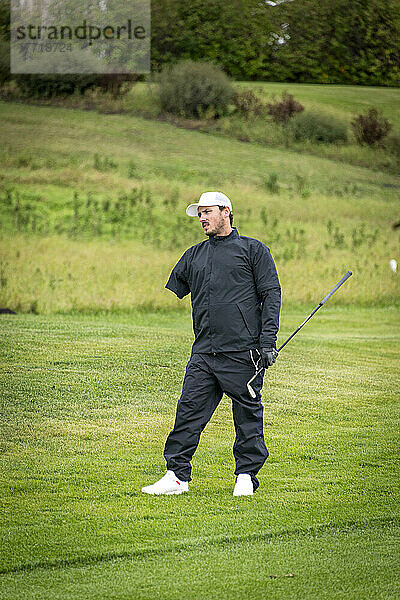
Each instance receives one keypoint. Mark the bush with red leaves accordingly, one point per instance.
(370, 128)
(282, 110)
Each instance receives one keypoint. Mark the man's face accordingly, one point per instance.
(212, 219)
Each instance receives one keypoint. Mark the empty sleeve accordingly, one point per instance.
(178, 280)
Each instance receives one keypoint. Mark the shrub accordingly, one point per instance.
(282, 110)
(191, 89)
(103, 164)
(370, 128)
(4, 62)
(248, 103)
(49, 85)
(318, 127)
(116, 84)
(392, 144)
(271, 183)
(302, 186)
(4, 42)
(59, 74)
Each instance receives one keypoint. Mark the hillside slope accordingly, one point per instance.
(318, 216)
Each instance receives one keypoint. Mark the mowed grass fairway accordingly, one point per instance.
(87, 402)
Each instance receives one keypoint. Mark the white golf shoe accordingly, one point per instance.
(243, 486)
(169, 484)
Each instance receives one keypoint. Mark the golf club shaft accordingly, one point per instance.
(333, 290)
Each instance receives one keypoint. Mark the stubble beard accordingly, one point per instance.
(219, 226)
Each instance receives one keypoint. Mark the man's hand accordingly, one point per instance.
(268, 356)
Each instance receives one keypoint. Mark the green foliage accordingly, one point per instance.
(5, 74)
(362, 235)
(49, 85)
(132, 170)
(192, 89)
(4, 62)
(324, 41)
(248, 103)
(334, 41)
(392, 143)
(337, 237)
(288, 242)
(359, 236)
(302, 186)
(284, 109)
(132, 215)
(314, 126)
(48, 81)
(232, 34)
(103, 163)
(370, 128)
(271, 183)
(116, 84)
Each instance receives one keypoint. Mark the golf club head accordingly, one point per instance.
(251, 391)
(249, 388)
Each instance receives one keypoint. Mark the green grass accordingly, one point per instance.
(342, 100)
(86, 405)
(337, 101)
(353, 562)
(310, 225)
(341, 103)
(88, 386)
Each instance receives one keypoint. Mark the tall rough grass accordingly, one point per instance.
(54, 273)
(97, 223)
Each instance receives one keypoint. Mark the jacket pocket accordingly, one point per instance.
(227, 327)
(251, 320)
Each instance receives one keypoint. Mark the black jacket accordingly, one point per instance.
(236, 295)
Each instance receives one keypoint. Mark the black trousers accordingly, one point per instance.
(207, 377)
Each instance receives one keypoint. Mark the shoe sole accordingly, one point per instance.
(176, 493)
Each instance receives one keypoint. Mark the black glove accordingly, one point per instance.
(268, 356)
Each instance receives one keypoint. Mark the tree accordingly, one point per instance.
(336, 41)
(4, 41)
(232, 34)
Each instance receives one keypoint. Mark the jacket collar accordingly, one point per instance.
(224, 238)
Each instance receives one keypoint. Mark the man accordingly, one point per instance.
(236, 296)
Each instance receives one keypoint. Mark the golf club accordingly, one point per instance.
(333, 290)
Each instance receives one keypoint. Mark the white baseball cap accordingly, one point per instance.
(209, 199)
